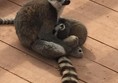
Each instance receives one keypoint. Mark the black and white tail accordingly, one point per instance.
(68, 72)
(6, 21)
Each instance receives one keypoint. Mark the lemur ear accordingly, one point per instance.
(62, 27)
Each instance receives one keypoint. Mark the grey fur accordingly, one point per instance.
(73, 33)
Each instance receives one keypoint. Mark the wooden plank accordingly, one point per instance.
(36, 71)
(102, 54)
(94, 73)
(26, 66)
(8, 9)
(19, 2)
(108, 3)
(6, 77)
(101, 22)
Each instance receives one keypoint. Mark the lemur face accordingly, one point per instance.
(59, 3)
(64, 2)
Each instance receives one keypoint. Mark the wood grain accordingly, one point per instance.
(19, 2)
(6, 77)
(113, 5)
(27, 67)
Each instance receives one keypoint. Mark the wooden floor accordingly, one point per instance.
(100, 62)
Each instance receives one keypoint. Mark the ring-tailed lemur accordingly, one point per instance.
(34, 24)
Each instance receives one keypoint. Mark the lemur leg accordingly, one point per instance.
(48, 49)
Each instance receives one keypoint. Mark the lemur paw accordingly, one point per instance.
(72, 41)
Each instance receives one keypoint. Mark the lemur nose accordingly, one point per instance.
(66, 2)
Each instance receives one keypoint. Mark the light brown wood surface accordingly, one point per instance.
(111, 4)
(6, 77)
(100, 62)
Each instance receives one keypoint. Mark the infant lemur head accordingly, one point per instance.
(62, 29)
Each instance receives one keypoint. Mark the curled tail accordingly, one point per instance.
(68, 72)
(6, 21)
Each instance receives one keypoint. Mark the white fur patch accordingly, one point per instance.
(59, 28)
(65, 64)
(69, 78)
(64, 59)
(69, 71)
(74, 79)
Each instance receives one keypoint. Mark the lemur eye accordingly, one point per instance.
(80, 50)
(62, 27)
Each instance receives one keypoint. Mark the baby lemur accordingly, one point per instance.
(73, 33)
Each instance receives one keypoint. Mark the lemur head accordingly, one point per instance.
(58, 4)
(61, 31)
(64, 2)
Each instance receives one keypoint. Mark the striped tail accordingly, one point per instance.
(6, 21)
(68, 72)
